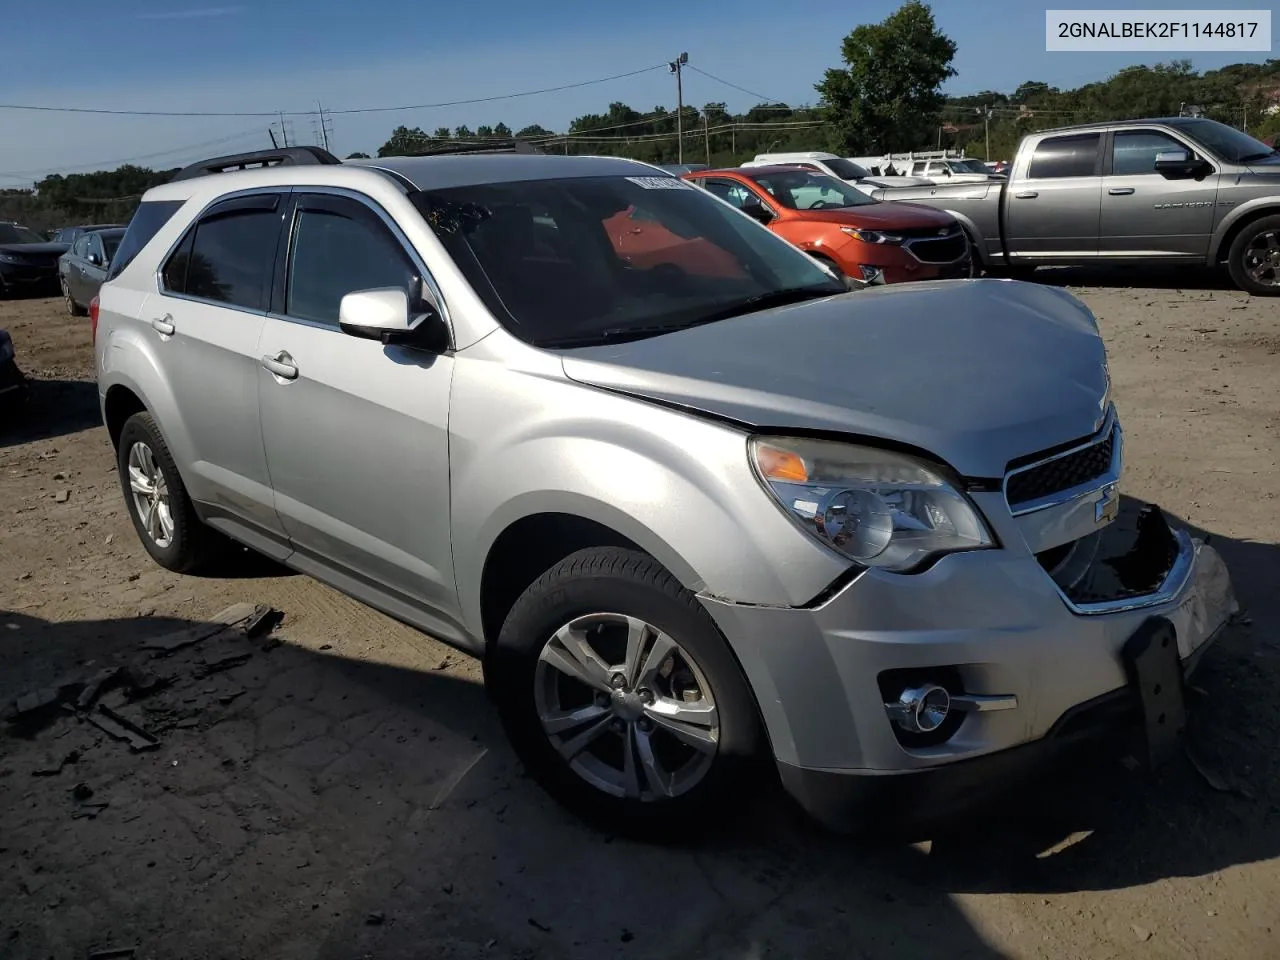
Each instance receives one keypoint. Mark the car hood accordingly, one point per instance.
(900, 216)
(974, 372)
(46, 250)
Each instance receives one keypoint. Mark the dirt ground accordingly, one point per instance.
(347, 793)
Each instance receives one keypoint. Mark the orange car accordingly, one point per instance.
(829, 219)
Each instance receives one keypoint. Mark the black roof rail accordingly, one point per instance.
(496, 146)
(258, 159)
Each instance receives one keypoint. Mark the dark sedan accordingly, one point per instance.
(13, 384)
(83, 268)
(70, 235)
(28, 262)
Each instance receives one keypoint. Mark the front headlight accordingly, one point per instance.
(877, 508)
(872, 236)
(9, 258)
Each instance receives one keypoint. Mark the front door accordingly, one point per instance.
(94, 269)
(1144, 214)
(356, 433)
(1053, 207)
(206, 321)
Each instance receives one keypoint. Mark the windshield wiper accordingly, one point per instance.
(762, 301)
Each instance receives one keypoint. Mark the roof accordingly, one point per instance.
(1105, 124)
(459, 170)
(752, 172)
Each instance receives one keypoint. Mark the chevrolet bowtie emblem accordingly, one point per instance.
(1107, 505)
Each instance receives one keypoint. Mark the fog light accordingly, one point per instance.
(871, 274)
(920, 709)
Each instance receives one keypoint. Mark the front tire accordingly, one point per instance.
(157, 500)
(1254, 258)
(621, 697)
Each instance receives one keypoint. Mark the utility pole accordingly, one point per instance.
(674, 67)
(986, 128)
(325, 124)
(706, 131)
(284, 134)
(272, 134)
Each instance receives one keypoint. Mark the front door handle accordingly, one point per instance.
(164, 325)
(1027, 195)
(282, 366)
(1120, 191)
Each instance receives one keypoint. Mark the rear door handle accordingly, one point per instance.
(282, 366)
(164, 325)
(1120, 191)
(1027, 195)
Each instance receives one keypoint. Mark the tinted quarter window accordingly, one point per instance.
(1134, 151)
(174, 275)
(1074, 156)
(146, 223)
(232, 256)
(334, 255)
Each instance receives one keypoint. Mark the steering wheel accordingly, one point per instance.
(818, 205)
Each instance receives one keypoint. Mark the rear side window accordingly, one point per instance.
(1074, 156)
(229, 254)
(146, 223)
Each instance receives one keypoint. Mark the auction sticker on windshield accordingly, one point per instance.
(1169, 31)
(660, 183)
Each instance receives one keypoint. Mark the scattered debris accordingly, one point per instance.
(447, 888)
(376, 919)
(90, 811)
(225, 663)
(626, 936)
(1142, 933)
(237, 613)
(52, 767)
(122, 728)
(96, 685)
(187, 723)
(38, 700)
(539, 926)
(113, 953)
(263, 620)
(230, 697)
(81, 791)
(443, 664)
(140, 682)
(62, 496)
(326, 646)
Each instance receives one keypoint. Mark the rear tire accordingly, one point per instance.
(1254, 258)
(73, 309)
(598, 662)
(157, 500)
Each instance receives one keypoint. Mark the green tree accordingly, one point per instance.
(443, 133)
(502, 130)
(888, 95)
(403, 142)
(484, 132)
(533, 131)
(463, 132)
(357, 156)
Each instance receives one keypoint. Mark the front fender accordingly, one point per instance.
(1248, 210)
(677, 485)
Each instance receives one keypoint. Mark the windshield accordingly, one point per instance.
(13, 233)
(594, 259)
(969, 166)
(802, 190)
(846, 169)
(1227, 142)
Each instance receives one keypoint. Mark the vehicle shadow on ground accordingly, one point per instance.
(55, 408)
(1145, 276)
(453, 851)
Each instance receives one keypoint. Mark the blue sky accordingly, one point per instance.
(219, 55)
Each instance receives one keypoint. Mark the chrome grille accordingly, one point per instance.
(1063, 472)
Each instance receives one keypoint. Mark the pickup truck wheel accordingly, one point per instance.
(1254, 258)
(157, 500)
(621, 697)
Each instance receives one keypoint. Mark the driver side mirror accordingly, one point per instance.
(756, 210)
(1176, 164)
(94, 259)
(383, 314)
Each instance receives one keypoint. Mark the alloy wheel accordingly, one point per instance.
(1262, 259)
(626, 707)
(150, 495)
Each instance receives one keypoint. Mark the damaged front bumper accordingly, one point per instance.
(1035, 650)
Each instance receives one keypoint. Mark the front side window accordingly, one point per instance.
(111, 243)
(729, 191)
(845, 169)
(579, 286)
(1072, 156)
(333, 255)
(229, 255)
(801, 190)
(1133, 152)
(81, 247)
(1227, 142)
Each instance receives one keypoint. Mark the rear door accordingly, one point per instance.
(206, 323)
(93, 268)
(1054, 200)
(1145, 215)
(356, 433)
(72, 267)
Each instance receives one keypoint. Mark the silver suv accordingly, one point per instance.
(692, 501)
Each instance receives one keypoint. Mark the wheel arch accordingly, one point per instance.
(1237, 222)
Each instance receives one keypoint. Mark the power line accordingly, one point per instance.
(308, 113)
(712, 76)
(100, 164)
